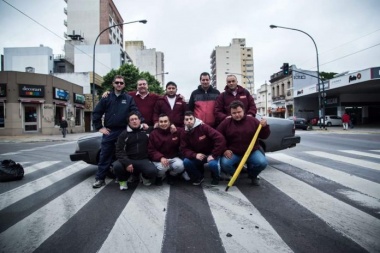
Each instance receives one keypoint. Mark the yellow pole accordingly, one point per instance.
(244, 159)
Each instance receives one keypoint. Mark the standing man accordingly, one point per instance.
(201, 144)
(163, 150)
(345, 120)
(132, 153)
(239, 131)
(172, 105)
(115, 108)
(63, 125)
(233, 92)
(202, 100)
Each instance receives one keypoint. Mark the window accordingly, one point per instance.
(2, 118)
(78, 116)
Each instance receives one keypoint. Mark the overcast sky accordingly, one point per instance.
(347, 32)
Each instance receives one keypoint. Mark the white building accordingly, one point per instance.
(29, 59)
(235, 59)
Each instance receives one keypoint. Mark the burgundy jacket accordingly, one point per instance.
(222, 109)
(202, 139)
(239, 134)
(146, 105)
(163, 143)
(176, 115)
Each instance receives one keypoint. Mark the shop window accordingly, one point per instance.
(59, 113)
(2, 118)
(78, 117)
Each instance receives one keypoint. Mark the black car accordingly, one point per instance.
(299, 123)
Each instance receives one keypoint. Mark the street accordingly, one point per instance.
(321, 196)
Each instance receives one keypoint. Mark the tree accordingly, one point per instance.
(327, 75)
(131, 74)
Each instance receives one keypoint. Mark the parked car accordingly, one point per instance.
(299, 123)
(282, 137)
(332, 120)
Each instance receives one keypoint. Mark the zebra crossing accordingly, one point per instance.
(310, 201)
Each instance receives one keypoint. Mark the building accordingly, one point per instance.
(235, 59)
(263, 100)
(147, 60)
(35, 104)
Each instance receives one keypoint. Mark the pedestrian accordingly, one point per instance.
(202, 100)
(63, 125)
(115, 108)
(170, 104)
(164, 152)
(201, 144)
(238, 131)
(233, 91)
(132, 153)
(345, 120)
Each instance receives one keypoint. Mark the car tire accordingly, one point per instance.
(329, 124)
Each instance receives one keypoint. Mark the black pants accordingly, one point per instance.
(144, 166)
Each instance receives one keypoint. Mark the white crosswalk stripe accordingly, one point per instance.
(350, 210)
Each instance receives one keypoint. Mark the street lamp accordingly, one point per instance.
(250, 84)
(321, 105)
(93, 56)
(162, 78)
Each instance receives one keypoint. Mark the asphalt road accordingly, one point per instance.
(322, 196)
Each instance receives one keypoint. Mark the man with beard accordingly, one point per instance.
(172, 105)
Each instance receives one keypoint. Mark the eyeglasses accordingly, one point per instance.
(121, 83)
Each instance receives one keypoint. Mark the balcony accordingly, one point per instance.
(278, 99)
(65, 22)
(65, 10)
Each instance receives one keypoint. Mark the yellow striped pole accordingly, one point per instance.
(244, 159)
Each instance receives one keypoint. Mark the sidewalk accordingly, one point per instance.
(366, 129)
(41, 138)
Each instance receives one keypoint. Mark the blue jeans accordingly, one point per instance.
(256, 163)
(195, 168)
(107, 151)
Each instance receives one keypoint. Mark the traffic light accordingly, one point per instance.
(285, 69)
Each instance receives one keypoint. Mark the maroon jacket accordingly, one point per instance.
(202, 139)
(239, 134)
(346, 118)
(222, 109)
(145, 106)
(176, 115)
(163, 143)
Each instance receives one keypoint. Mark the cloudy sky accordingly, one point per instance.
(347, 32)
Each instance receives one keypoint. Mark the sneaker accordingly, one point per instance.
(98, 184)
(144, 180)
(185, 176)
(158, 181)
(123, 185)
(132, 178)
(198, 181)
(215, 181)
(255, 181)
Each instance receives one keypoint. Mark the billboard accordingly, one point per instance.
(79, 99)
(31, 91)
(60, 94)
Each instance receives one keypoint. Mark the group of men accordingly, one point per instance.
(161, 137)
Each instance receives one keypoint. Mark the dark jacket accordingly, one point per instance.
(115, 109)
(202, 103)
(63, 124)
(132, 144)
(202, 138)
(239, 134)
(163, 143)
(146, 105)
(175, 115)
(222, 109)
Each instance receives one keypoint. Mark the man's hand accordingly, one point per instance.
(210, 158)
(130, 168)
(200, 156)
(104, 130)
(263, 122)
(228, 154)
(145, 126)
(173, 129)
(105, 94)
(165, 162)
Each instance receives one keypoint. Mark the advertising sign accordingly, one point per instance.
(31, 91)
(79, 99)
(61, 94)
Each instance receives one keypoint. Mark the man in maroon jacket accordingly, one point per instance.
(172, 105)
(239, 131)
(233, 92)
(163, 150)
(201, 144)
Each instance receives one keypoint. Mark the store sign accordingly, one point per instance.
(3, 90)
(61, 94)
(31, 91)
(79, 99)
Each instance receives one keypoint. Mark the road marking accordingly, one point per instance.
(375, 150)
(345, 159)
(232, 211)
(38, 148)
(38, 166)
(10, 197)
(141, 225)
(29, 233)
(351, 181)
(362, 228)
(354, 152)
(362, 199)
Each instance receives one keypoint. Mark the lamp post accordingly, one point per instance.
(162, 78)
(250, 84)
(93, 56)
(321, 105)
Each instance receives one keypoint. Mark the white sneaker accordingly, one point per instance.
(185, 176)
(144, 180)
